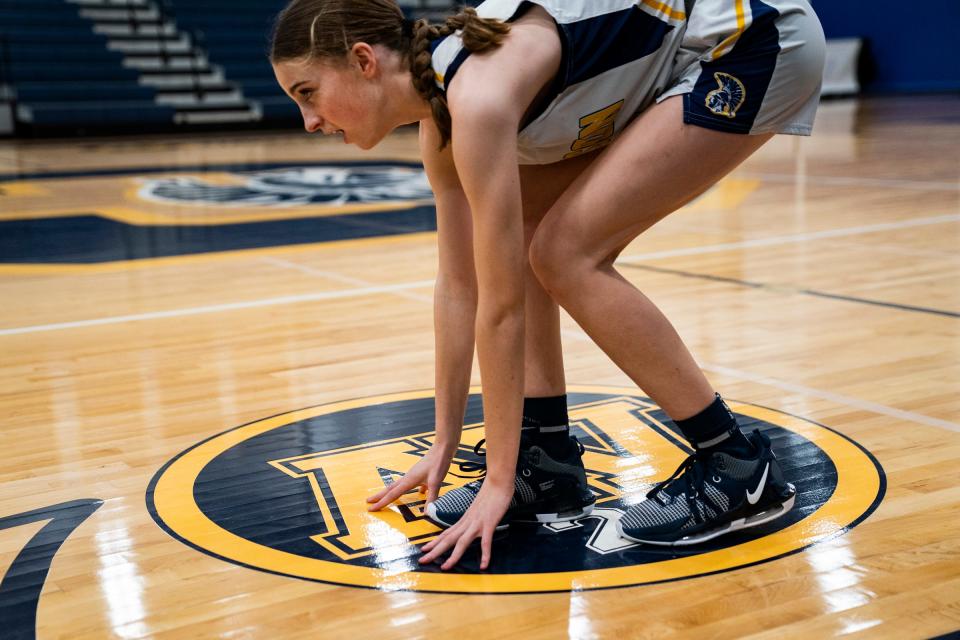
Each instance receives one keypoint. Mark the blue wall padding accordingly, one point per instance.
(911, 45)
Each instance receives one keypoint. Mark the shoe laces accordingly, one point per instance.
(524, 455)
(472, 466)
(692, 472)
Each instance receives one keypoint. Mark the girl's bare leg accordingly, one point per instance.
(656, 166)
(541, 186)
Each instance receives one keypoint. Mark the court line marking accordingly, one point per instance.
(190, 259)
(895, 249)
(43, 269)
(193, 311)
(336, 277)
(836, 398)
(627, 260)
(852, 181)
(141, 217)
(773, 287)
(791, 238)
(66, 174)
(219, 167)
(632, 259)
(898, 282)
(574, 334)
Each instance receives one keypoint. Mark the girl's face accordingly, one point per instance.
(343, 98)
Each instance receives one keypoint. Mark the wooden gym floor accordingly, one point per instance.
(201, 379)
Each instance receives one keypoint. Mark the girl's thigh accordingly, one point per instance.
(655, 167)
(542, 184)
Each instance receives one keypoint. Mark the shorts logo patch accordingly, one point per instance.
(286, 494)
(728, 97)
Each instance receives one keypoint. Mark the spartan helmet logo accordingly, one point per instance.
(728, 97)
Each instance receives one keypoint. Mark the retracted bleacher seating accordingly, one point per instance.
(62, 74)
(235, 34)
(142, 65)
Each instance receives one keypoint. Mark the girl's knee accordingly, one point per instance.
(543, 258)
(557, 260)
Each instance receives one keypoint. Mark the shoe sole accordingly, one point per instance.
(563, 516)
(736, 525)
(543, 518)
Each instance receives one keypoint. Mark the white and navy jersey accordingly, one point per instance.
(743, 66)
(617, 57)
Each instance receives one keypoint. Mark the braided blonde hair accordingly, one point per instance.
(328, 29)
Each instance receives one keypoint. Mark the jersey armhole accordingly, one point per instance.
(557, 85)
(559, 82)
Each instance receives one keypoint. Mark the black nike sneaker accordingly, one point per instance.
(545, 490)
(711, 494)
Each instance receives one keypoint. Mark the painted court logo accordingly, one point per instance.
(296, 186)
(287, 495)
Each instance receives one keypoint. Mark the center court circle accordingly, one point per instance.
(286, 495)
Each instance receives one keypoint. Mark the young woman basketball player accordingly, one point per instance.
(553, 132)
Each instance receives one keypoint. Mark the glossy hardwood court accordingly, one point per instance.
(209, 355)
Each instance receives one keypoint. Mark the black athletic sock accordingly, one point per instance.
(716, 429)
(546, 424)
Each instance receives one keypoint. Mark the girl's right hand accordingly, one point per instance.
(427, 474)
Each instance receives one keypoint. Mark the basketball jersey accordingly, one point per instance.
(617, 57)
(743, 66)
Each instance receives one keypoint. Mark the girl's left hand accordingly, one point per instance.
(479, 521)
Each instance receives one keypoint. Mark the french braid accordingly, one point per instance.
(478, 34)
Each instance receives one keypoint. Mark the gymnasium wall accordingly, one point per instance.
(910, 46)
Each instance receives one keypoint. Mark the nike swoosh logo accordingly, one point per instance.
(754, 496)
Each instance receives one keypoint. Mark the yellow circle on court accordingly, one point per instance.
(378, 549)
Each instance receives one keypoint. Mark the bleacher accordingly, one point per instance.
(142, 65)
(236, 35)
(62, 75)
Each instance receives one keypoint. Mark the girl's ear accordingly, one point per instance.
(365, 58)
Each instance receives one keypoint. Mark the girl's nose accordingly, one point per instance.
(311, 121)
